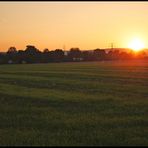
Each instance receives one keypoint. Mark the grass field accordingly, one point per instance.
(74, 104)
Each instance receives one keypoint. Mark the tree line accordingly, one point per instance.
(33, 55)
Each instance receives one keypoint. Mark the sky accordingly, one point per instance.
(86, 25)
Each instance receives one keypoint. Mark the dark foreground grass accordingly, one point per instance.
(74, 104)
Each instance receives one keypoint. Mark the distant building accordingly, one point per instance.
(10, 62)
(23, 62)
(66, 53)
(77, 59)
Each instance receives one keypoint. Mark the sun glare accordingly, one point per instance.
(136, 44)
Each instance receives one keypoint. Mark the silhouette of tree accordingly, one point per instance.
(12, 50)
(99, 54)
(31, 49)
(45, 58)
(11, 56)
(87, 56)
(55, 56)
(124, 55)
(33, 54)
(46, 50)
(75, 54)
(3, 58)
(21, 56)
(113, 55)
(58, 55)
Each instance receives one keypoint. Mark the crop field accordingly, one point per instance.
(74, 104)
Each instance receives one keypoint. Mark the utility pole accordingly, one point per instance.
(112, 46)
(64, 48)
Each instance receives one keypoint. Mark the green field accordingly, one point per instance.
(74, 104)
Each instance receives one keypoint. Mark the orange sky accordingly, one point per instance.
(87, 25)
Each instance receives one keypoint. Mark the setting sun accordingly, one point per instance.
(136, 44)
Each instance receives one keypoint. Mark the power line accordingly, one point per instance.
(112, 46)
